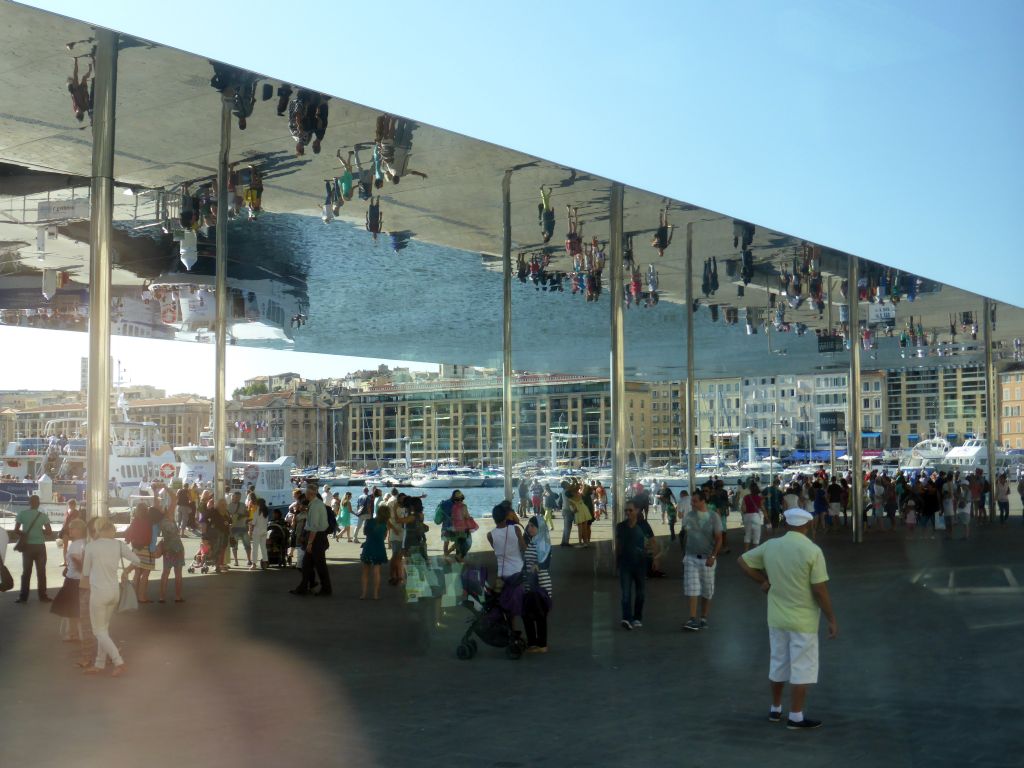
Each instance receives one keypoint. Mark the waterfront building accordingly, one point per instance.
(1011, 421)
(460, 420)
(301, 421)
(937, 401)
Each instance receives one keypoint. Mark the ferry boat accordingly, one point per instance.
(138, 454)
(258, 462)
(972, 455)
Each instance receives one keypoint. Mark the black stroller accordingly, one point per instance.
(277, 545)
(491, 622)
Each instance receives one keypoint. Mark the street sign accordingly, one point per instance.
(48, 210)
(831, 344)
(832, 421)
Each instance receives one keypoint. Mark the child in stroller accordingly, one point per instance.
(204, 557)
(491, 622)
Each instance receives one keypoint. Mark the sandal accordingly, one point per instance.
(161, 600)
(180, 600)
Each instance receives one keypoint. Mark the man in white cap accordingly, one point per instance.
(791, 570)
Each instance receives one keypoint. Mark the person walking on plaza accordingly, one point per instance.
(703, 543)
(173, 556)
(536, 585)
(364, 511)
(33, 527)
(791, 570)
(315, 546)
(102, 557)
(345, 519)
(754, 517)
(1002, 492)
(238, 513)
(258, 532)
(568, 512)
(631, 558)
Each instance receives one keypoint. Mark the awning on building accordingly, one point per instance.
(870, 434)
(913, 438)
(952, 436)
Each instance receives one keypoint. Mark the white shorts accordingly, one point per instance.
(794, 656)
(835, 508)
(698, 579)
(752, 528)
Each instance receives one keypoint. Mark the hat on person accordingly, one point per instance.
(797, 517)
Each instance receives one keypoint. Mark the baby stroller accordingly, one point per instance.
(277, 546)
(204, 558)
(491, 623)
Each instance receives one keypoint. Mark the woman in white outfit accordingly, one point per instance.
(102, 558)
(258, 534)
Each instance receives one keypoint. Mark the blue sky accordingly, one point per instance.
(888, 129)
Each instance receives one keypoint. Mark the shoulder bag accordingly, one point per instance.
(127, 600)
(6, 580)
(19, 545)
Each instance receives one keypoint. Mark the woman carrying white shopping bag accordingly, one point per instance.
(102, 558)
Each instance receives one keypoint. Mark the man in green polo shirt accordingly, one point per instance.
(791, 570)
(34, 527)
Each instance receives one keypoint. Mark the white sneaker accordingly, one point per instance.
(637, 624)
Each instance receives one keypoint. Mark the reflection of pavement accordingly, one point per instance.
(917, 676)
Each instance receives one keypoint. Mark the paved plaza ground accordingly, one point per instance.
(927, 671)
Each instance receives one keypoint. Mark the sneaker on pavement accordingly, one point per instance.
(637, 624)
(775, 717)
(805, 723)
(625, 624)
(692, 626)
(703, 623)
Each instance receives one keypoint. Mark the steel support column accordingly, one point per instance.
(101, 227)
(507, 416)
(853, 436)
(221, 290)
(691, 381)
(617, 363)
(991, 406)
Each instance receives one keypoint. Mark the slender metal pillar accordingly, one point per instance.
(832, 435)
(691, 380)
(853, 436)
(617, 363)
(101, 226)
(220, 435)
(507, 417)
(991, 406)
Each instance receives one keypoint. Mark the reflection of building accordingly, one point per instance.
(1011, 421)
(926, 402)
(461, 419)
(872, 410)
(719, 413)
(772, 411)
(180, 419)
(301, 420)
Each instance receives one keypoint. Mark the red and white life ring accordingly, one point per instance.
(169, 314)
(13, 463)
(167, 471)
(252, 473)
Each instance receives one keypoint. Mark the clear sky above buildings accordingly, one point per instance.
(887, 129)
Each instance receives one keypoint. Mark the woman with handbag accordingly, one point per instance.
(102, 558)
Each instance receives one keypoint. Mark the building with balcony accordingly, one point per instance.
(947, 401)
(303, 422)
(1011, 408)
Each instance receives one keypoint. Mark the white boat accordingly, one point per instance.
(448, 474)
(927, 453)
(972, 455)
(259, 462)
(138, 454)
